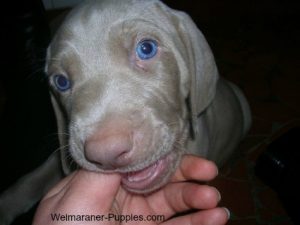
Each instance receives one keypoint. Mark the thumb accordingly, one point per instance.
(94, 189)
(84, 190)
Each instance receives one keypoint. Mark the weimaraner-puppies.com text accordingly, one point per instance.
(134, 86)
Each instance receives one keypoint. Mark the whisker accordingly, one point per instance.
(61, 148)
(69, 158)
(174, 123)
(63, 133)
(56, 134)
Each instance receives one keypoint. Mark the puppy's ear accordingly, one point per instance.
(201, 65)
(62, 134)
(61, 121)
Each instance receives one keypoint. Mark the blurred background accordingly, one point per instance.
(256, 45)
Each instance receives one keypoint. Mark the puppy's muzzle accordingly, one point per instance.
(110, 146)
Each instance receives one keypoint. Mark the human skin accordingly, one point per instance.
(89, 193)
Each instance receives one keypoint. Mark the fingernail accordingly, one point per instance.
(227, 211)
(219, 194)
(217, 169)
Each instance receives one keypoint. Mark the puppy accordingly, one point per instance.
(134, 86)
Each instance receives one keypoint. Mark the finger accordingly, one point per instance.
(216, 216)
(60, 185)
(195, 168)
(179, 197)
(87, 189)
(90, 188)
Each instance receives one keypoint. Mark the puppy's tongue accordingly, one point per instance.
(139, 180)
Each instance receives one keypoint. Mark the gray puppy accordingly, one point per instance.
(134, 86)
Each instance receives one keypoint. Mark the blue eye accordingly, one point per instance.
(146, 49)
(61, 82)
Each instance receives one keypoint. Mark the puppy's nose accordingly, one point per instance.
(109, 151)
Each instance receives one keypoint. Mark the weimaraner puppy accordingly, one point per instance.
(134, 86)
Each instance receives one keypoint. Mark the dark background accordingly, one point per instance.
(256, 45)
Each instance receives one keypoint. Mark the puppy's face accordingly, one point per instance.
(114, 71)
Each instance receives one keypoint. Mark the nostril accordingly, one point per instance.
(96, 163)
(123, 155)
(109, 152)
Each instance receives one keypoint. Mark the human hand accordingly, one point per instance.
(85, 195)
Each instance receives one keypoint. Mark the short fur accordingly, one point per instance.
(167, 106)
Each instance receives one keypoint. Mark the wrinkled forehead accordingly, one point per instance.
(84, 35)
(93, 21)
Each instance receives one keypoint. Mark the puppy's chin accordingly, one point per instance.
(152, 177)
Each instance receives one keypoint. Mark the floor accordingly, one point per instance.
(256, 46)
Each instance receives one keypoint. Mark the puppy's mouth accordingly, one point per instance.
(152, 175)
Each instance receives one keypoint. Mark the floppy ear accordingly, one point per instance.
(61, 121)
(62, 134)
(201, 66)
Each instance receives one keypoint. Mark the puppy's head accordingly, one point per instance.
(120, 74)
